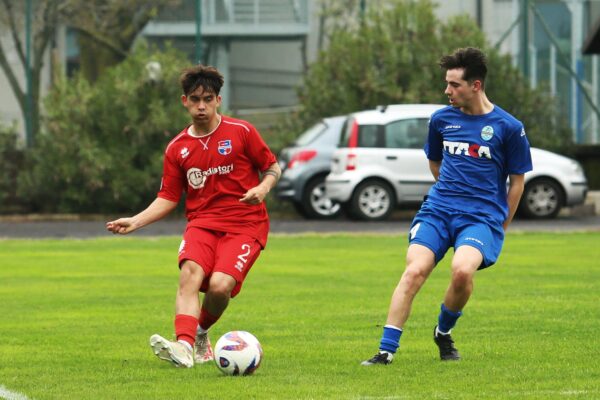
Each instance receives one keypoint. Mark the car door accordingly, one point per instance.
(404, 140)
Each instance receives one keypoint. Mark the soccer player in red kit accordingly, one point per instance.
(226, 170)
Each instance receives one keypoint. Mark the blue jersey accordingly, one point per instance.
(478, 152)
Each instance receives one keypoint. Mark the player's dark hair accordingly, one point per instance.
(206, 76)
(472, 60)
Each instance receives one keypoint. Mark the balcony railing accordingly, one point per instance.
(234, 18)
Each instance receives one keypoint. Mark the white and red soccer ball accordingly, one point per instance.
(238, 353)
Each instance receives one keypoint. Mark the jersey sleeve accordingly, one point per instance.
(258, 151)
(518, 153)
(434, 145)
(172, 182)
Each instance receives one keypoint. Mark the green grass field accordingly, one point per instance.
(77, 315)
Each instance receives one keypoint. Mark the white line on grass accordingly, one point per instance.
(10, 395)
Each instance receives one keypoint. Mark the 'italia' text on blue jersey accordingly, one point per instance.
(478, 152)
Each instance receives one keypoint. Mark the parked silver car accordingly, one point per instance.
(380, 164)
(305, 164)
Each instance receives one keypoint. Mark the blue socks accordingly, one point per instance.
(390, 341)
(447, 319)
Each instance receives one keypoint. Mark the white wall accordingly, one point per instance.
(264, 73)
(497, 17)
(447, 8)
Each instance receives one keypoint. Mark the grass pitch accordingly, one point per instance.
(77, 314)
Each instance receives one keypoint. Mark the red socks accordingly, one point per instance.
(185, 328)
(186, 325)
(206, 319)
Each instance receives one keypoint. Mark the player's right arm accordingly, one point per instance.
(158, 209)
(434, 148)
(171, 187)
(434, 167)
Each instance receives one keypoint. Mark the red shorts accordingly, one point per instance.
(230, 253)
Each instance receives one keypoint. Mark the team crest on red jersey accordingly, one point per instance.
(224, 147)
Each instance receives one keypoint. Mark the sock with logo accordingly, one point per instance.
(447, 319)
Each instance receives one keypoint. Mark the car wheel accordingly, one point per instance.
(542, 198)
(372, 201)
(315, 204)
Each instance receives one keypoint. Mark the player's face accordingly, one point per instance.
(202, 105)
(459, 91)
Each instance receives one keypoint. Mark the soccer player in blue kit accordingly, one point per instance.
(473, 147)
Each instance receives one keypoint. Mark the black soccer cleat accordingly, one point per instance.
(382, 358)
(446, 345)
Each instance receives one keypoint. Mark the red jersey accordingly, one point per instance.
(215, 171)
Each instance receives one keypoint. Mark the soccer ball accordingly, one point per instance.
(238, 353)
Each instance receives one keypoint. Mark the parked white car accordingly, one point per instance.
(380, 165)
(304, 165)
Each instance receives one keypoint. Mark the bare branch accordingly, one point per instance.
(98, 37)
(12, 79)
(14, 30)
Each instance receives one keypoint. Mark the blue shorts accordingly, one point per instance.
(439, 228)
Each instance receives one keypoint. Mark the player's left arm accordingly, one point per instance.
(516, 186)
(257, 194)
(518, 162)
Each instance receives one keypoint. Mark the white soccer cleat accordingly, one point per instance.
(204, 352)
(176, 353)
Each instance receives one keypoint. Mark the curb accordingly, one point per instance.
(591, 207)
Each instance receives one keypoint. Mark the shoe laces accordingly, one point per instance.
(446, 342)
(181, 350)
(201, 340)
(379, 358)
(203, 348)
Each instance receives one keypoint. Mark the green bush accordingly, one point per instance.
(589, 157)
(392, 58)
(102, 145)
(11, 164)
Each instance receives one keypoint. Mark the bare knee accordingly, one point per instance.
(420, 261)
(414, 276)
(221, 286)
(462, 276)
(465, 262)
(191, 275)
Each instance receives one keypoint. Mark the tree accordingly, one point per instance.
(45, 21)
(108, 31)
(392, 57)
(103, 143)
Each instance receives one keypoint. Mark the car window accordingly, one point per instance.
(331, 136)
(311, 134)
(370, 136)
(406, 133)
(346, 131)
